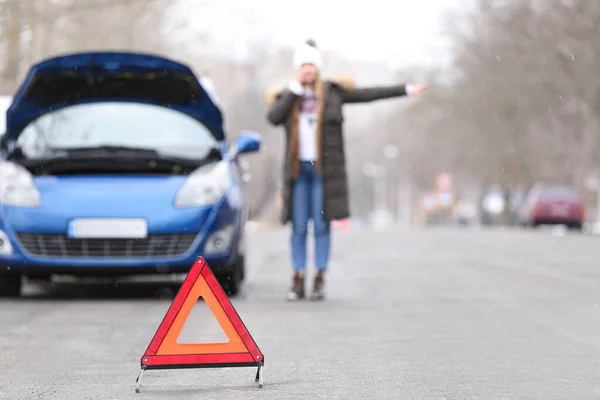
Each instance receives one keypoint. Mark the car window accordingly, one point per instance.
(118, 124)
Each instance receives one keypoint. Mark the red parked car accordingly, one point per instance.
(553, 205)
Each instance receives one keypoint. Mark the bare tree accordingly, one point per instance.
(524, 99)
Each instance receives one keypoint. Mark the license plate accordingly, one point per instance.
(106, 228)
(560, 211)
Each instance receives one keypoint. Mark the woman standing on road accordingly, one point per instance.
(315, 184)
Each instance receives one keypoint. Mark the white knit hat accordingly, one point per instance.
(307, 53)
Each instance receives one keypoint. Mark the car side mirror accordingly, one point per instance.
(248, 142)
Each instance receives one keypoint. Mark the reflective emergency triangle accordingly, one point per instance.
(164, 352)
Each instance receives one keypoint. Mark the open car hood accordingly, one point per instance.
(111, 76)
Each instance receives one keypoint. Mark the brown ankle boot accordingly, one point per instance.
(297, 289)
(318, 292)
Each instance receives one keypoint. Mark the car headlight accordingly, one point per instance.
(205, 186)
(16, 186)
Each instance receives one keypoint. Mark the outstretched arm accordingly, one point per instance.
(280, 112)
(364, 95)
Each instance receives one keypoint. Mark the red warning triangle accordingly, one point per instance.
(164, 352)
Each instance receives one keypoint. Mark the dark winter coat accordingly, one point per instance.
(283, 110)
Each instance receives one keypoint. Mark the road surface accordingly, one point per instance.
(431, 314)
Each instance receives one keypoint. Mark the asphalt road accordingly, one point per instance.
(432, 314)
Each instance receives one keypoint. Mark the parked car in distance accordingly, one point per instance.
(117, 164)
(553, 205)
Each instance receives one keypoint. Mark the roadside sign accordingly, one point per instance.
(446, 198)
(444, 181)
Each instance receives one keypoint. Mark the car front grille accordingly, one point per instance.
(65, 247)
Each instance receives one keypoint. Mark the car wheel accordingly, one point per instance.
(231, 279)
(10, 285)
(242, 267)
(576, 227)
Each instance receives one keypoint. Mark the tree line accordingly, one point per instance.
(520, 102)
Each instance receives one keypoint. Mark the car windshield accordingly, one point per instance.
(132, 125)
(559, 193)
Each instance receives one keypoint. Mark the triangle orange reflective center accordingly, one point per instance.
(169, 345)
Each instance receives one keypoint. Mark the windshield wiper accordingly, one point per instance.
(120, 154)
(100, 151)
(124, 151)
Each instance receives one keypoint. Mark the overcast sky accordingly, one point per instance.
(394, 32)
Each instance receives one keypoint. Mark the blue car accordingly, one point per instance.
(117, 164)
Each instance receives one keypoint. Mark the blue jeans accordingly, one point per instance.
(307, 203)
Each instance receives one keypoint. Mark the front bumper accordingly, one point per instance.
(549, 219)
(98, 271)
(217, 241)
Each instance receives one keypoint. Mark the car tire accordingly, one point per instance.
(10, 285)
(242, 266)
(576, 227)
(231, 280)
